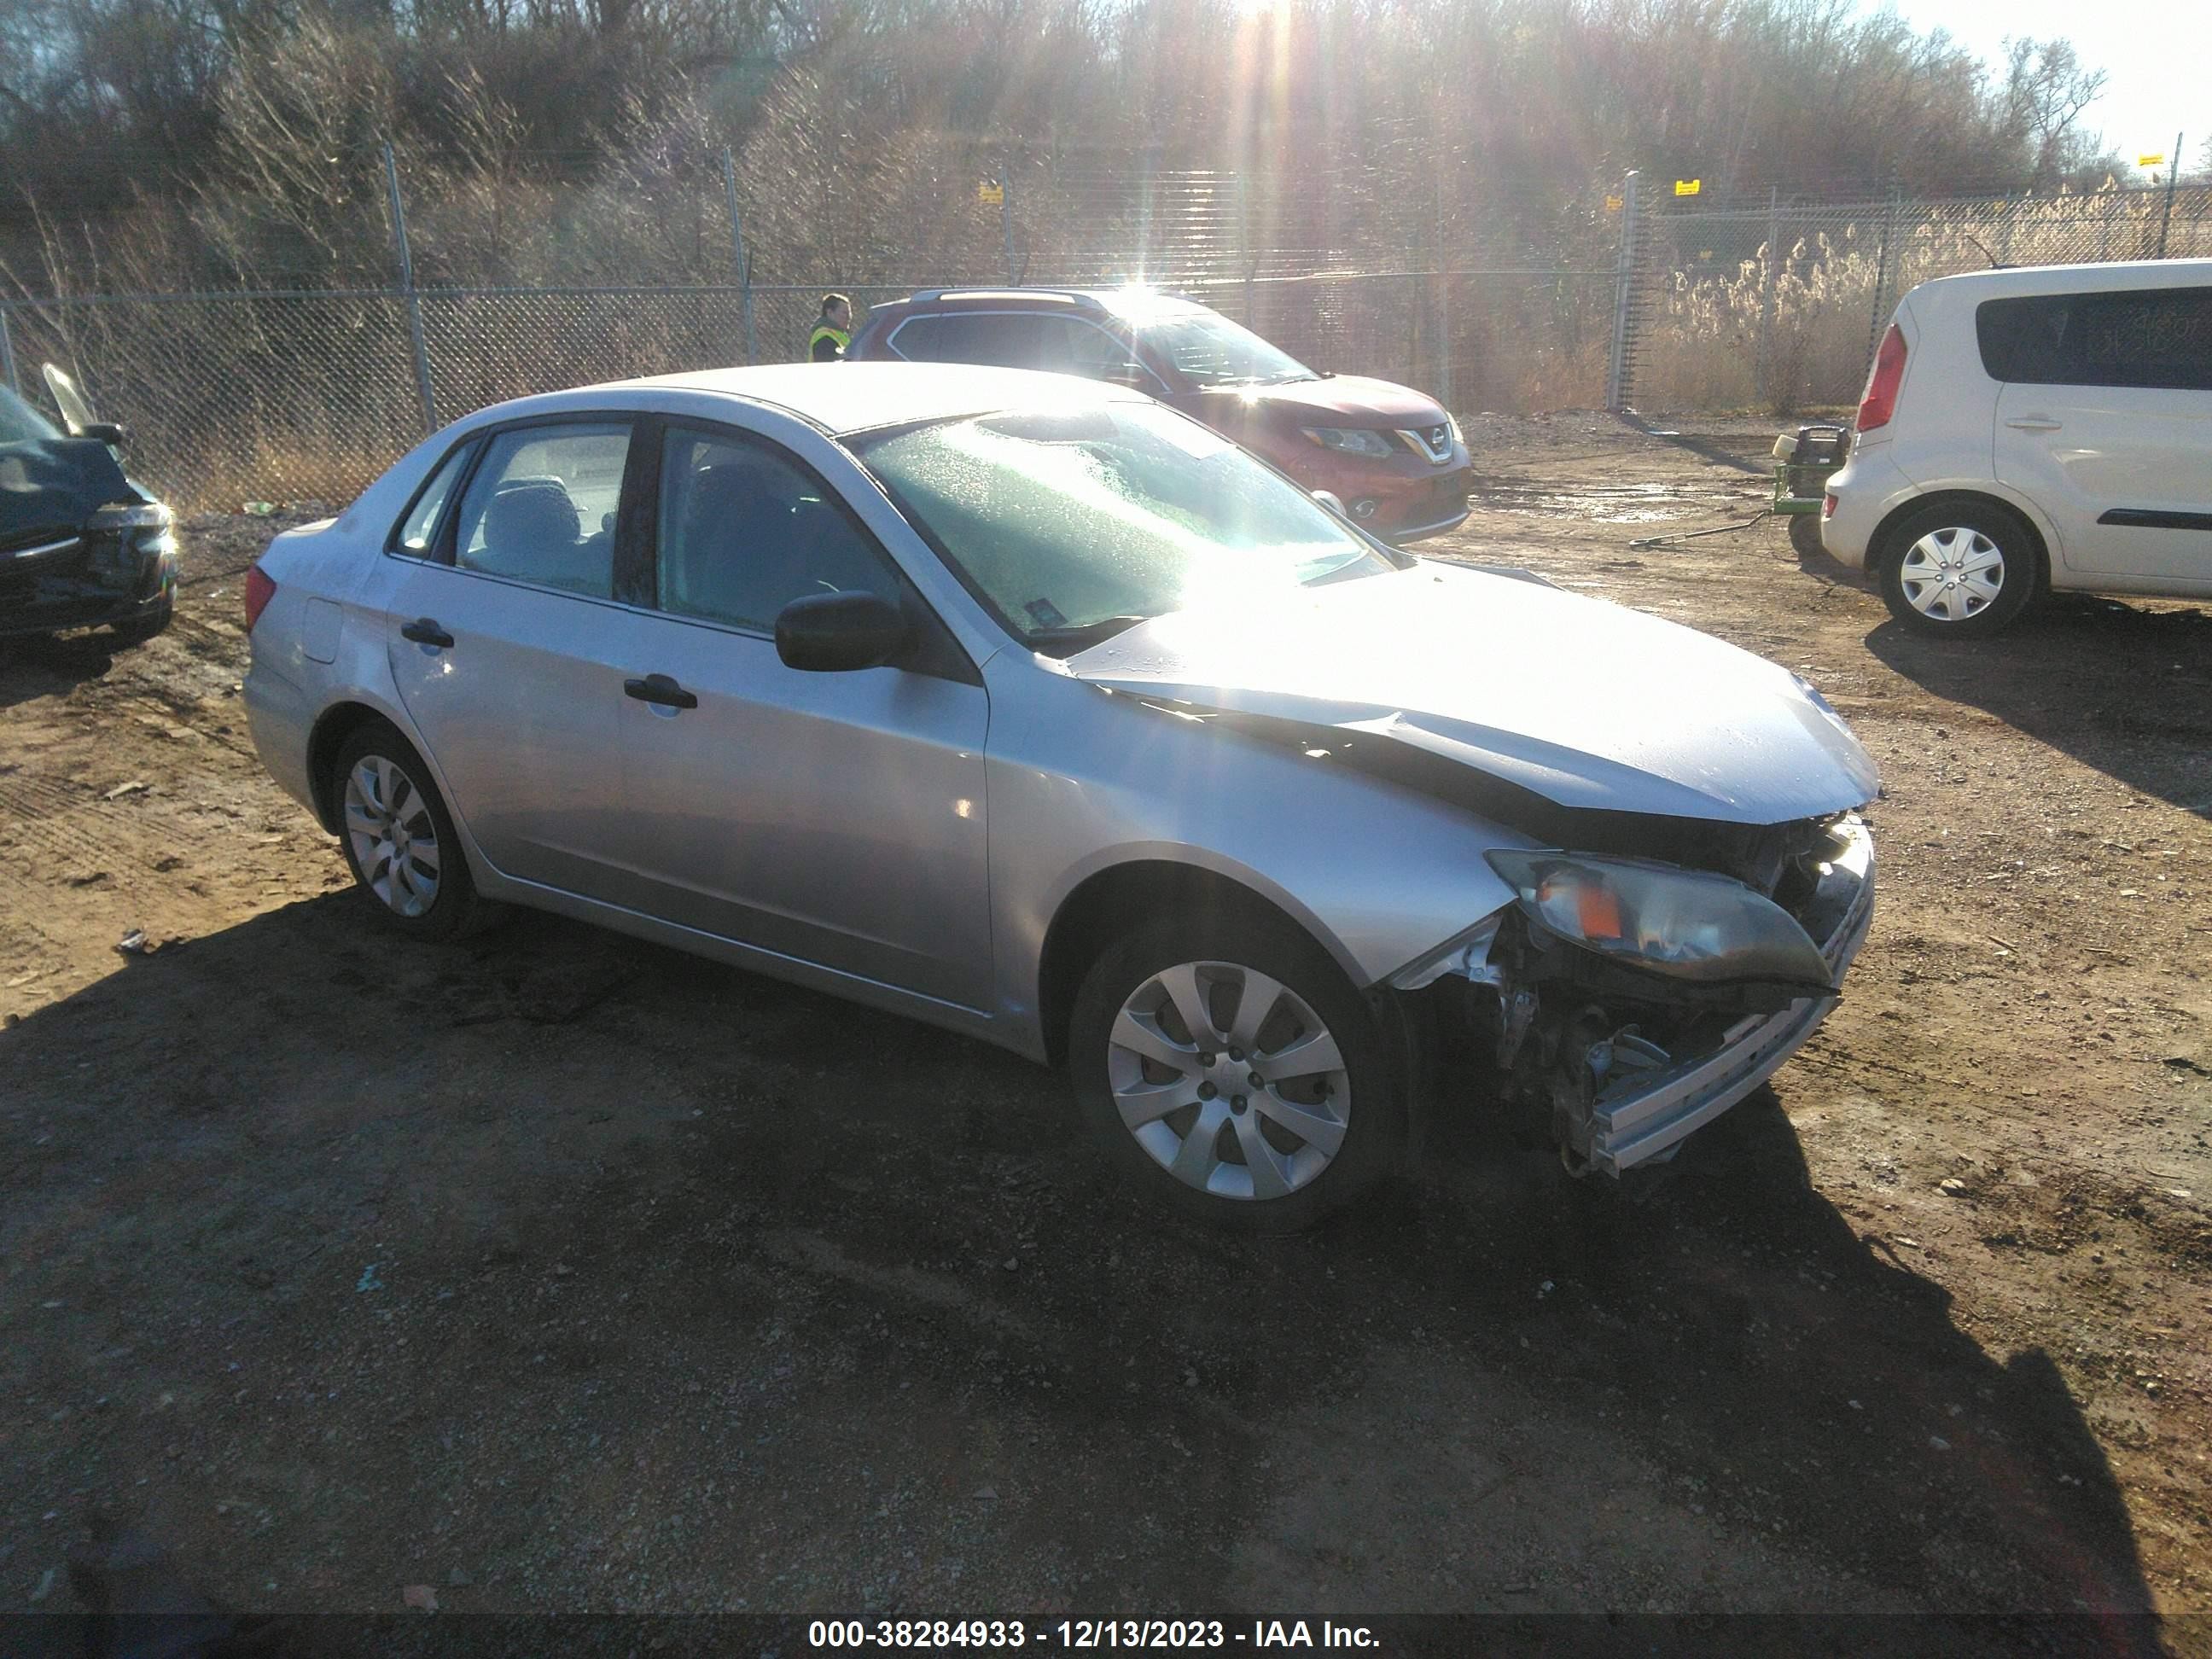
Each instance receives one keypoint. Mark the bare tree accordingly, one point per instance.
(2046, 88)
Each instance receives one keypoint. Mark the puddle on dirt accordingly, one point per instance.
(1643, 503)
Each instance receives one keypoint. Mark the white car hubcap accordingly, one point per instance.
(1948, 575)
(395, 843)
(1229, 1080)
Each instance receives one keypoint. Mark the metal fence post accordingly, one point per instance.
(2165, 217)
(1006, 212)
(1763, 371)
(1244, 246)
(8, 355)
(1881, 273)
(1443, 302)
(407, 292)
(1624, 286)
(738, 252)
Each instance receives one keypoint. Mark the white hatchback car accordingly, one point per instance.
(2043, 429)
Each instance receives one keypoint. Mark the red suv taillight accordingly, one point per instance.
(1879, 402)
(259, 590)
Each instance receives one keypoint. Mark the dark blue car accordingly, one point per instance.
(81, 546)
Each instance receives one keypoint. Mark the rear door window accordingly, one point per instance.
(2149, 338)
(541, 507)
(999, 339)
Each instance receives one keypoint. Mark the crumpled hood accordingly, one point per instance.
(1588, 704)
(1352, 399)
(50, 486)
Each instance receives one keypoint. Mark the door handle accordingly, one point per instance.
(660, 690)
(2034, 423)
(424, 631)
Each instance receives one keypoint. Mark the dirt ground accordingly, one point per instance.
(560, 1271)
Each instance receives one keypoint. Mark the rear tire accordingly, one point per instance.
(1964, 571)
(1233, 1073)
(399, 840)
(1805, 534)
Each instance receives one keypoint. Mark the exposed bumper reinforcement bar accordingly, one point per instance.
(1651, 1114)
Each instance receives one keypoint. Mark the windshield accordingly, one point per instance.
(20, 423)
(1073, 524)
(1214, 351)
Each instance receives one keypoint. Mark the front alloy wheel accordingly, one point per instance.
(1229, 1081)
(1219, 1058)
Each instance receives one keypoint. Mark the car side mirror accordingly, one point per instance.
(1333, 502)
(106, 431)
(836, 633)
(1132, 375)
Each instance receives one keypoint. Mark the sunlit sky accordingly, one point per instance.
(2155, 54)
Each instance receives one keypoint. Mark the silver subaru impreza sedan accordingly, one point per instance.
(1035, 710)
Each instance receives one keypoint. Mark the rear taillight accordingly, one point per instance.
(1828, 507)
(1879, 402)
(259, 590)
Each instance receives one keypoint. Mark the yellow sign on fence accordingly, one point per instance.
(1688, 187)
(1613, 204)
(991, 193)
(2150, 160)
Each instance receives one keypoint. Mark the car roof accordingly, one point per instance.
(2061, 279)
(1130, 299)
(842, 397)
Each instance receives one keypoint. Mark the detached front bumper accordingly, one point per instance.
(1646, 1113)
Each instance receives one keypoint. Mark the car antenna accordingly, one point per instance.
(1996, 264)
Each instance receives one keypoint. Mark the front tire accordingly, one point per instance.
(1959, 572)
(398, 838)
(139, 629)
(1229, 1068)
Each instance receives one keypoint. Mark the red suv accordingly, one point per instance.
(1392, 456)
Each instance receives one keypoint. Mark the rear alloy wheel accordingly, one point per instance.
(398, 838)
(1959, 572)
(1240, 1079)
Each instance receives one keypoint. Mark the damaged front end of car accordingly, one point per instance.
(1630, 1001)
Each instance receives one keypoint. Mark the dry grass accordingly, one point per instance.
(1815, 307)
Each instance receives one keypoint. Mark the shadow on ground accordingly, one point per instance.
(44, 667)
(2126, 690)
(562, 1272)
(1715, 451)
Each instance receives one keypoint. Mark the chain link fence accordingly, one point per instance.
(1777, 305)
(1501, 303)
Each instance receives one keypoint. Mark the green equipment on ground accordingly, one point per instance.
(1803, 460)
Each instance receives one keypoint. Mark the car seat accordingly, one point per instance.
(526, 519)
(732, 546)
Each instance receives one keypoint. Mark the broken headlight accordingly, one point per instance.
(1680, 922)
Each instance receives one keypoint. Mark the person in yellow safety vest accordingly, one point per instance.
(833, 329)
